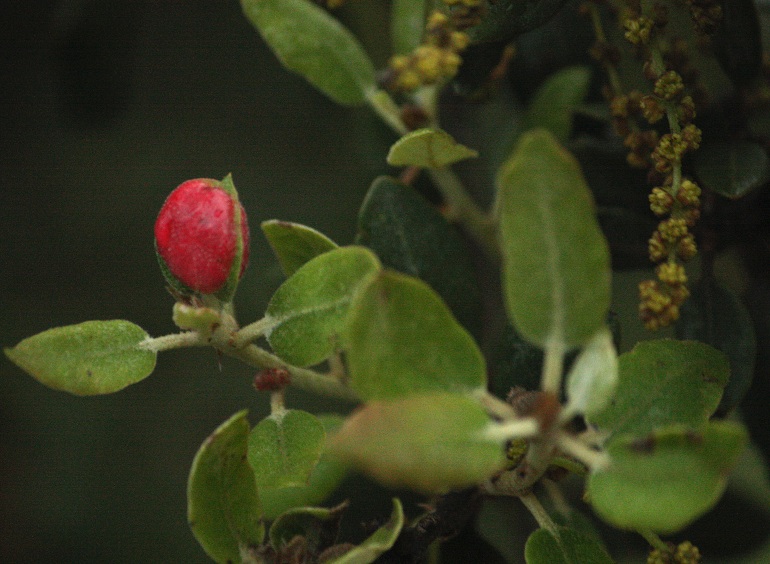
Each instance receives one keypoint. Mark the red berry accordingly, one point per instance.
(196, 237)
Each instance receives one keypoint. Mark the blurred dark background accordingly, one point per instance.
(105, 108)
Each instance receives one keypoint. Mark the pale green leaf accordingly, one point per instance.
(427, 442)
(662, 383)
(665, 480)
(285, 447)
(307, 313)
(378, 542)
(222, 502)
(90, 358)
(402, 339)
(428, 148)
(556, 100)
(592, 380)
(294, 244)
(319, 526)
(311, 42)
(556, 263)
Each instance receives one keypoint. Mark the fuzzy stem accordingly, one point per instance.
(518, 429)
(252, 331)
(534, 506)
(174, 341)
(595, 460)
(553, 366)
(654, 540)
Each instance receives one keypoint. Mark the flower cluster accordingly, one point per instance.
(438, 57)
(685, 553)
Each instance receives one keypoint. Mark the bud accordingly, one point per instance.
(202, 245)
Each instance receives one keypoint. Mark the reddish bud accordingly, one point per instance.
(202, 245)
(272, 379)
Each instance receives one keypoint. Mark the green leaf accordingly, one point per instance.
(506, 19)
(666, 480)
(309, 41)
(556, 264)
(318, 525)
(376, 544)
(401, 339)
(428, 148)
(411, 236)
(715, 316)
(567, 546)
(662, 383)
(732, 168)
(309, 310)
(222, 502)
(427, 442)
(593, 378)
(555, 101)
(285, 447)
(294, 244)
(325, 476)
(91, 358)
(407, 25)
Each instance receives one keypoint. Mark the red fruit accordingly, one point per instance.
(196, 238)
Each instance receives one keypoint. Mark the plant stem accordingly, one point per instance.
(174, 341)
(464, 210)
(534, 506)
(384, 106)
(654, 540)
(595, 460)
(553, 365)
(252, 331)
(518, 429)
(304, 378)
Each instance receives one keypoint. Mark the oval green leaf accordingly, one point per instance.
(428, 442)
(556, 263)
(294, 244)
(664, 481)
(309, 310)
(222, 502)
(284, 448)
(407, 25)
(566, 546)
(555, 101)
(714, 315)
(90, 358)
(663, 383)
(428, 148)
(401, 339)
(732, 168)
(325, 476)
(380, 541)
(310, 42)
(411, 236)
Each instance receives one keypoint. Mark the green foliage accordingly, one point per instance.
(90, 358)
(401, 340)
(294, 244)
(556, 272)
(325, 476)
(564, 546)
(285, 447)
(716, 316)
(308, 311)
(665, 383)
(407, 24)
(312, 43)
(593, 378)
(428, 442)
(732, 168)
(317, 525)
(428, 148)
(555, 102)
(222, 501)
(411, 236)
(507, 19)
(666, 479)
